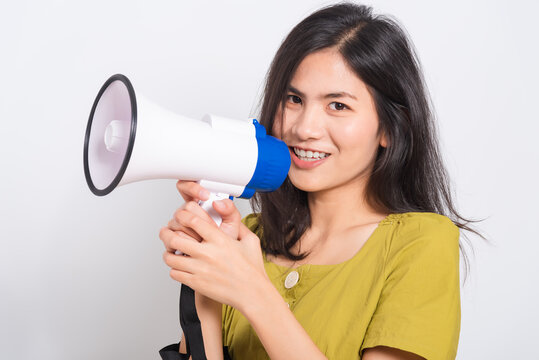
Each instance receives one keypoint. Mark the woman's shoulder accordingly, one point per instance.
(422, 232)
(422, 221)
(419, 305)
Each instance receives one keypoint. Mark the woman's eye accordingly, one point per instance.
(294, 99)
(337, 106)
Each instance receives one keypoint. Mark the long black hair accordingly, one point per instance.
(409, 174)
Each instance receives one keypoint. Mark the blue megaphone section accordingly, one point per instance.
(272, 164)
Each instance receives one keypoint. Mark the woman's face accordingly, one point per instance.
(329, 123)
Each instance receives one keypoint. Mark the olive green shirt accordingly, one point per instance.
(400, 290)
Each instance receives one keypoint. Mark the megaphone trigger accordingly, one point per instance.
(207, 205)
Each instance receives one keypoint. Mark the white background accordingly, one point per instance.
(82, 277)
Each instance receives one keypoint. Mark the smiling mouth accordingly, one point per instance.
(309, 155)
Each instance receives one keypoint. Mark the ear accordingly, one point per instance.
(383, 140)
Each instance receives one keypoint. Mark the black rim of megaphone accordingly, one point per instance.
(116, 181)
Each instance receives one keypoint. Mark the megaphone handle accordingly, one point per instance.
(207, 205)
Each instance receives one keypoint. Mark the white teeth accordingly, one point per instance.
(310, 155)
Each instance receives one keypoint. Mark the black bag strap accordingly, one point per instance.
(171, 352)
(192, 330)
(190, 324)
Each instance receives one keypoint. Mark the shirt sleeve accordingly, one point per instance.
(419, 306)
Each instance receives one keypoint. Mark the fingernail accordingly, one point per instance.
(204, 194)
(220, 204)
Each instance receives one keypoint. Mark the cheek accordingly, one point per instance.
(280, 127)
(359, 137)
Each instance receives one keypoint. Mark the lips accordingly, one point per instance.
(307, 158)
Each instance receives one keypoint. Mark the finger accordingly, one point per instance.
(250, 240)
(230, 215)
(165, 239)
(179, 262)
(244, 231)
(190, 208)
(192, 191)
(178, 241)
(195, 208)
(175, 225)
(185, 237)
(208, 232)
(182, 277)
(246, 235)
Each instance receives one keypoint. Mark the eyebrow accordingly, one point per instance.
(333, 95)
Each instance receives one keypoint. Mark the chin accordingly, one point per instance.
(307, 185)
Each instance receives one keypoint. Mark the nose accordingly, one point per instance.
(308, 124)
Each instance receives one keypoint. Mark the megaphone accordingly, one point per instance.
(129, 138)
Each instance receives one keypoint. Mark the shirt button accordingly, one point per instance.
(291, 279)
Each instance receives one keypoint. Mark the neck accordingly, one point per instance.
(341, 208)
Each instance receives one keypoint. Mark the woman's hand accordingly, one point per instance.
(226, 265)
(191, 193)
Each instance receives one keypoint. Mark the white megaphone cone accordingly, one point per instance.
(128, 139)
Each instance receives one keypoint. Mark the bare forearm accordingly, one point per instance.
(281, 334)
(210, 347)
(209, 313)
(183, 346)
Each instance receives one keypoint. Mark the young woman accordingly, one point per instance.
(357, 254)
